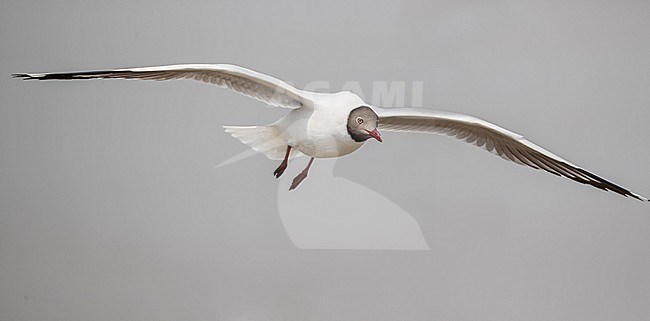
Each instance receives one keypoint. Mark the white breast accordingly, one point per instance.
(321, 132)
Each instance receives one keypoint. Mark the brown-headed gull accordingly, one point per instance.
(324, 125)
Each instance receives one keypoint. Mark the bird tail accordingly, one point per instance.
(267, 140)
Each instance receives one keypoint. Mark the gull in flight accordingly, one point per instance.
(325, 125)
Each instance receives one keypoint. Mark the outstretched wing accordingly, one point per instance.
(247, 82)
(510, 146)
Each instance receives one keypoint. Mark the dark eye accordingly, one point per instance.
(359, 120)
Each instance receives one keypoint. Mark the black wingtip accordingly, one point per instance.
(637, 196)
(29, 76)
(65, 75)
(21, 76)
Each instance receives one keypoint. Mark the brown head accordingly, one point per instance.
(362, 124)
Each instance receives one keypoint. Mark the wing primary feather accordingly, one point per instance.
(267, 89)
(508, 145)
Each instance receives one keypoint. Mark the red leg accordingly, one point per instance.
(278, 171)
(298, 179)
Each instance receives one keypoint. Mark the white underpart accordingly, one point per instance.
(317, 124)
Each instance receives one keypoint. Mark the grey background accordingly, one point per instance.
(111, 208)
